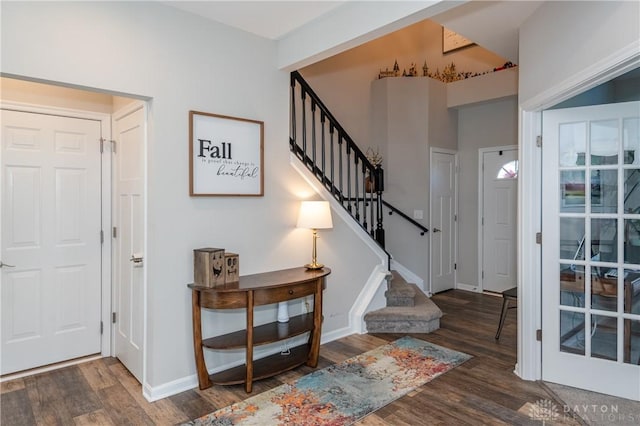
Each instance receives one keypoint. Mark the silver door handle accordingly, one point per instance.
(135, 259)
(2, 265)
(436, 230)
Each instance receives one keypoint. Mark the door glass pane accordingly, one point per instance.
(572, 191)
(572, 285)
(632, 191)
(572, 245)
(604, 245)
(604, 142)
(604, 191)
(604, 289)
(632, 241)
(631, 138)
(632, 292)
(572, 142)
(572, 332)
(604, 340)
(631, 342)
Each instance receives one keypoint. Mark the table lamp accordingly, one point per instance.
(315, 215)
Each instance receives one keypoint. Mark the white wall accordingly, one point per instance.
(563, 39)
(479, 126)
(181, 62)
(343, 81)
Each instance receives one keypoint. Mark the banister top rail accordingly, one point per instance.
(393, 209)
(296, 77)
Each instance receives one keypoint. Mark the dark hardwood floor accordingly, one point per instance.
(483, 390)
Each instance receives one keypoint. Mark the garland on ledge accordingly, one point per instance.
(448, 74)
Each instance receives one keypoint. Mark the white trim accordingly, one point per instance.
(481, 152)
(105, 132)
(433, 150)
(367, 300)
(529, 366)
(468, 287)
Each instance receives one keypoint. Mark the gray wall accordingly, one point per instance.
(479, 126)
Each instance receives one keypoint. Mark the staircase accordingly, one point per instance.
(318, 140)
(408, 310)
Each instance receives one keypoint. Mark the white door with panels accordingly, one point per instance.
(443, 202)
(128, 233)
(51, 239)
(591, 248)
(498, 222)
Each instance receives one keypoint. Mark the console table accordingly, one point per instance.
(248, 292)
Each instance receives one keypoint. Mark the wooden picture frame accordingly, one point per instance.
(452, 41)
(226, 155)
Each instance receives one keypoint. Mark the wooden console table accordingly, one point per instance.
(255, 290)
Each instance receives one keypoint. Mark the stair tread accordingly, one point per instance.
(424, 309)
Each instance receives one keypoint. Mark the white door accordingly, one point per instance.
(51, 244)
(443, 220)
(129, 132)
(591, 248)
(499, 201)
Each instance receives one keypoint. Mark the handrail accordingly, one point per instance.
(323, 145)
(393, 209)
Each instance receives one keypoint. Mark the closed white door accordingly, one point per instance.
(51, 243)
(129, 133)
(591, 248)
(443, 220)
(499, 219)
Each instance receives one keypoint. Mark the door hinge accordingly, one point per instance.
(538, 237)
(101, 327)
(101, 236)
(111, 141)
(483, 221)
(455, 217)
(113, 317)
(455, 266)
(101, 145)
(483, 275)
(539, 335)
(114, 233)
(113, 146)
(539, 141)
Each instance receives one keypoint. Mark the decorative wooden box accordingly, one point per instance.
(231, 267)
(208, 267)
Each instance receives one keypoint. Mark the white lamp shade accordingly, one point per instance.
(315, 215)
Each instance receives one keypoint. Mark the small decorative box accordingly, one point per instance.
(208, 267)
(231, 267)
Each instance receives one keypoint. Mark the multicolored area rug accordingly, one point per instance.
(343, 393)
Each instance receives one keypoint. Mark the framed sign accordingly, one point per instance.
(453, 41)
(225, 155)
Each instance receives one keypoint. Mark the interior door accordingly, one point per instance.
(499, 219)
(591, 248)
(51, 245)
(129, 130)
(443, 220)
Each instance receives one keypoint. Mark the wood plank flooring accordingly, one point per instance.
(483, 390)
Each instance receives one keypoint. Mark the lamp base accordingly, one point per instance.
(314, 266)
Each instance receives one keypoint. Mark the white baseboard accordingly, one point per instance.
(468, 287)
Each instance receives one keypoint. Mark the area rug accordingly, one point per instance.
(346, 392)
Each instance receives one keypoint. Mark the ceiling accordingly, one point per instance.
(492, 24)
(269, 19)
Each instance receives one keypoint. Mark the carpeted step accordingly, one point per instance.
(423, 317)
(399, 293)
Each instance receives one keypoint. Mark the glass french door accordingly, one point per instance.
(591, 248)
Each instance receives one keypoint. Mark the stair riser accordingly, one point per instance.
(403, 326)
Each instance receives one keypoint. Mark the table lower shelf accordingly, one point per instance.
(264, 367)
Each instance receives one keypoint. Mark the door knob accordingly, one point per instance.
(2, 265)
(436, 230)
